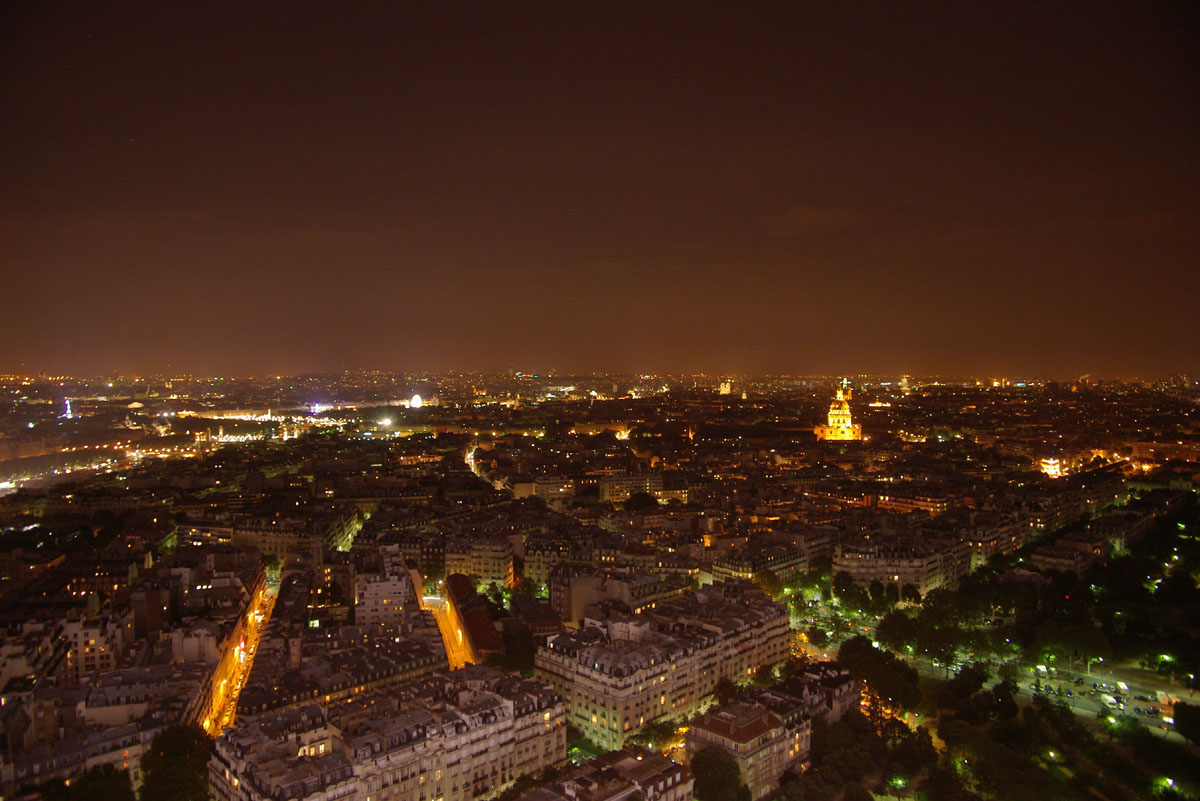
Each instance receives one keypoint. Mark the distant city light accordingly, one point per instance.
(1053, 467)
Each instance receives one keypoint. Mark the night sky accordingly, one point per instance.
(982, 188)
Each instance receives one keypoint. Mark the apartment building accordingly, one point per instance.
(768, 731)
(488, 558)
(617, 488)
(755, 738)
(620, 673)
(630, 774)
(387, 597)
(457, 736)
(909, 561)
(577, 589)
(784, 560)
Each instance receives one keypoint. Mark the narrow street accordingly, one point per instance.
(229, 687)
(452, 637)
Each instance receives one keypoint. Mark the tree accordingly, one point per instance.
(945, 784)
(656, 734)
(101, 781)
(175, 768)
(889, 678)
(519, 650)
(718, 777)
(1004, 700)
(875, 590)
(843, 584)
(764, 676)
(1010, 671)
(910, 594)
(916, 751)
(725, 691)
(896, 630)
(1187, 721)
(771, 584)
(821, 568)
(968, 681)
(641, 502)
(856, 792)
(939, 642)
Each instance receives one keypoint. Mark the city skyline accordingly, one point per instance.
(472, 586)
(705, 401)
(707, 188)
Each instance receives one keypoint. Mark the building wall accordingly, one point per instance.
(669, 676)
(483, 742)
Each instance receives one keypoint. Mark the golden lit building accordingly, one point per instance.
(839, 426)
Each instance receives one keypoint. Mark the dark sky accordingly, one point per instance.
(960, 187)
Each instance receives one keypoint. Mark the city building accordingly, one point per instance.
(489, 559)
(618, 488)
(387, 597)
(627, 774)
(784, 560)
(579, 590)
(768, 730)
(453, 737)
(755, 738)
(924, 565)
(620, 673)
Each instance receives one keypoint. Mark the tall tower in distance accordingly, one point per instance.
(840, 426)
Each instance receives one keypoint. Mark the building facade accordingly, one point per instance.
(455, 737)
(617, 675)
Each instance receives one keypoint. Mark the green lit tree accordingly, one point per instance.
(771, 584)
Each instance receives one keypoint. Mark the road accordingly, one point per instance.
(1085, 705)
(456, 650)
(230, 687)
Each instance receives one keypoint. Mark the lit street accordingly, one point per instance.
(229, 687)
(456, 649)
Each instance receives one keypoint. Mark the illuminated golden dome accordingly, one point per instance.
(840, 426)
